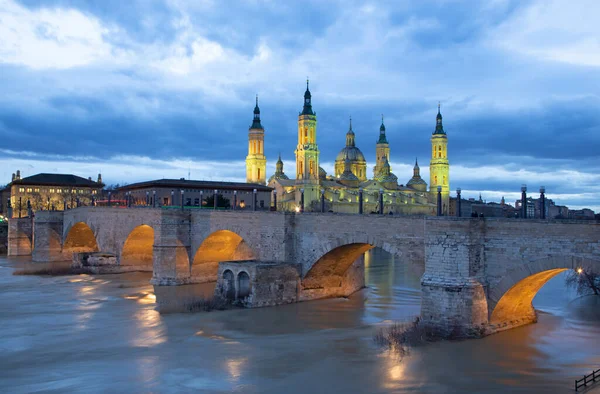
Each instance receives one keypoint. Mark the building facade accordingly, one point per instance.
(198, 194)
(50, 192)
(342, 190)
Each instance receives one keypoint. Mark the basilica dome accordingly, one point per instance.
(354, 154)
(358, 164)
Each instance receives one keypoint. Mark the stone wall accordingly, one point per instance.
(3, 238)
(471, 264)
(20, 235)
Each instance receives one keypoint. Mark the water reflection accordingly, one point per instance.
(108, 326)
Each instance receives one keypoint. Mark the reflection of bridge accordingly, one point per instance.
(480, 274)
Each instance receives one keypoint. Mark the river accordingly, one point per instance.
(102, 334)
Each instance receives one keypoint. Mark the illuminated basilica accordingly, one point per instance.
(342, 189)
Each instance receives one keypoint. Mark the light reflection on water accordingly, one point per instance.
(85, 333)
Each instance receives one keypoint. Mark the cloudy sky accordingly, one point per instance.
(146, 89)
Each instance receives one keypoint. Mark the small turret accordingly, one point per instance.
(18, 177)
(307, 109)
(439, 128)
(99, 178)
(256, 121)
(350, 136)
(382, 137)
(13, 177)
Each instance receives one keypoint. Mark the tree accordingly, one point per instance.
(586, 282)
(222, 202)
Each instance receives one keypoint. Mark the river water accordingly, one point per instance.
(102, 334)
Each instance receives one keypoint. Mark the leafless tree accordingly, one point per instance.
(586, 282)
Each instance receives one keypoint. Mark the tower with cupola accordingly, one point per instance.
(439, 168)
(382, 150)
(307, 154)
(256, 161)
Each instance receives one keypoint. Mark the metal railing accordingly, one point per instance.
(587, 379)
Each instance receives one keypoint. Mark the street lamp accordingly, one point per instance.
(524, 201)
(458, 202)
(439, 201)
(181, 199)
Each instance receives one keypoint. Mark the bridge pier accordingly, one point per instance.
(171, 250)
(20, 234)
(454, 300)
(47, 238)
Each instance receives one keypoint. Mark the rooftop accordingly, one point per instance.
(45, 179)
(193, 184)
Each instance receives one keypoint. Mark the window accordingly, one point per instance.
(21, 190)
(51, 190)
(59, 190)
(262, 203)
(94, 191)
(37, 189)
(435, 180)
(29, 190)
(259, 173)
(166, 201)
(197, 202)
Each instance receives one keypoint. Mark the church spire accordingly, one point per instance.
(439, 128)
(382, 138)
(307, 109)
(350, 135)
(416, 169)
(256, 121)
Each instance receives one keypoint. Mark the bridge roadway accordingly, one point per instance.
(481, 275)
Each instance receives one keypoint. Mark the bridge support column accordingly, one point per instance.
(47, 237)
(454, 302)
(171, 265)
(20, 233)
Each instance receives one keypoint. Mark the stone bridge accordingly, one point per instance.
(480, 274)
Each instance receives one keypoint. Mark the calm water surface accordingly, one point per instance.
(101, 334)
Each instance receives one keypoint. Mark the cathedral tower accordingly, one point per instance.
(256, 162)
(439, 168)
(307, 154)
(382, 150)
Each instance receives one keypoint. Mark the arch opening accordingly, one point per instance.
(243, 285)
(516, 305)
(222, 245)
(228, 290)
(330, 270)
(138, 249)
(80, 238)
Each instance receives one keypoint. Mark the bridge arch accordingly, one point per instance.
(332, 269)
(221, 245)
(137, 251)
(80, 238)
(510, 299)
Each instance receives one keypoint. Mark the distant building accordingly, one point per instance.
(581, 214)
(472, 207)
(168, 192)
(49, 191)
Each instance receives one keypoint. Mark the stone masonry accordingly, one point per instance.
(480, 274)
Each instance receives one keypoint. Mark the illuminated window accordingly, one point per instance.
(94, 191)
(51, 190)
(28, 190)
(21, 190)
(37, 189)
(59, 190)
(73, 191)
